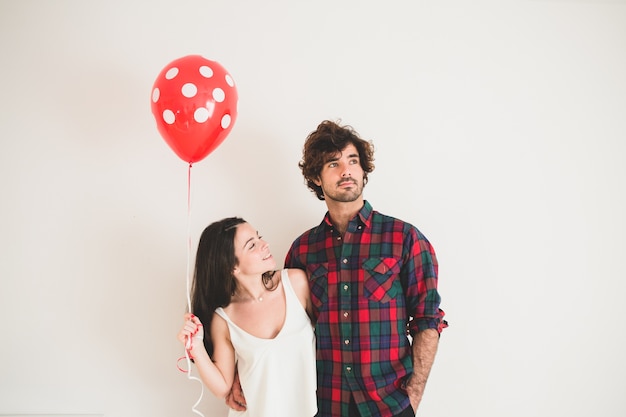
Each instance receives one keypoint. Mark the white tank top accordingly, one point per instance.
(277, 375)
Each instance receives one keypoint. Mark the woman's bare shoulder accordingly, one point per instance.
(300, 283)
(297, 277)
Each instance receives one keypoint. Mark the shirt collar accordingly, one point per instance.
(363, 217)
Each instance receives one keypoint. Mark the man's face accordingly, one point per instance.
(341, 178)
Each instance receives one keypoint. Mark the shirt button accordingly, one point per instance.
(346, 342)
(345, 260)
(346, 287)
(348, 369)
(338, 237)
(360, 227)
(346, 314)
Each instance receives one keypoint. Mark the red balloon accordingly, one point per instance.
(194, 103)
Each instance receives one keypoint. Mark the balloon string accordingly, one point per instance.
(188, 345)
(189, 239)
(194, 378)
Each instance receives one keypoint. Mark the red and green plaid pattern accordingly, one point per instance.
(370, 289)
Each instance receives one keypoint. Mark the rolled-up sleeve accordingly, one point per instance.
(420, 277)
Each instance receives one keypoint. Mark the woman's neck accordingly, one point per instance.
(251, 289)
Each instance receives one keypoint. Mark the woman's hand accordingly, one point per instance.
(192, 335)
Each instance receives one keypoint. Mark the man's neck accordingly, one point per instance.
(341, 213)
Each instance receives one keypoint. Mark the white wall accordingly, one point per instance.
(500, 129)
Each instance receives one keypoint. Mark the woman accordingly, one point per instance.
(256, 320)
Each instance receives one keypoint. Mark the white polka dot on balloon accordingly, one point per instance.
(156, 93)
(201, 114)
(169, 117)
(229, 80)
(171, 73)
(206, 72)
(189, 90)
(225, 121)
(219, 95)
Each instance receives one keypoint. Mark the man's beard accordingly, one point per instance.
(344, 196)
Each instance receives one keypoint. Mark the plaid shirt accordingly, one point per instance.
(369, 289)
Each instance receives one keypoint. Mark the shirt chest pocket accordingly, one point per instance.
(381, 280)
(318, 282)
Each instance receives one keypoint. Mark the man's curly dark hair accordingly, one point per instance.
(324, 143)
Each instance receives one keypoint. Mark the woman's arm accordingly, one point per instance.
(217, 374)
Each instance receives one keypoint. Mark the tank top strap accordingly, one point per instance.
(284, 276)
(220, 312)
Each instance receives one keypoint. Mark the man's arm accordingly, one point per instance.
(424, 350)
(235, 398)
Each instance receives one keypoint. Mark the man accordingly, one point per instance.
(373, 279)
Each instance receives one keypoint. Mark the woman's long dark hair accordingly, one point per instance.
(214, 283)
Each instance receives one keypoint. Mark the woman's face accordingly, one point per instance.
(252, 252)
